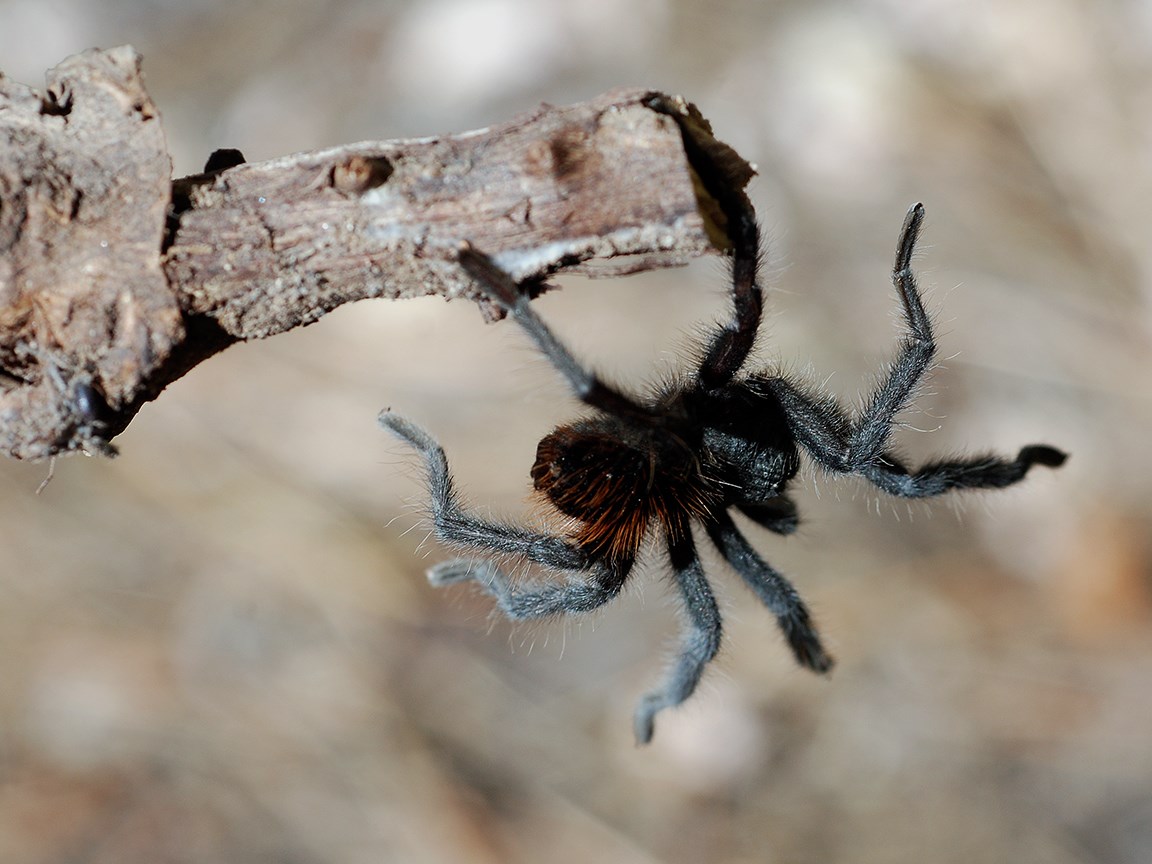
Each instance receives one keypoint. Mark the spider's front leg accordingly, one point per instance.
(860, 446)
(455, 525)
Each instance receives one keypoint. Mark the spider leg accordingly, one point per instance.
(455, 525)
(822, 426)
(778, 514)
(774, 590)
(824, 430)
(586, 385)
(861, 446)
(732, 342)
(699, 643)
(976, 472)
(917, 350)
(462, 570)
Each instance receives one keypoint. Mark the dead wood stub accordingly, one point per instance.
(84, 304)
(115, 281)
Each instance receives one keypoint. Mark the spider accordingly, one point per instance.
(693, 451)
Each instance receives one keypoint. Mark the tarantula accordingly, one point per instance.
(691, 452)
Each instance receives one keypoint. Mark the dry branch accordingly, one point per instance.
(116, 280)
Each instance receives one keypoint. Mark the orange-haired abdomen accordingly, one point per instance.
(615, 480)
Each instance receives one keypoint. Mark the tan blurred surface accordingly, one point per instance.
(221, 647)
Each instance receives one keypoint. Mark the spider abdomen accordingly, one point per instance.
(615, 480)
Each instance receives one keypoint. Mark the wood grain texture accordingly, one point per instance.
(115, 280)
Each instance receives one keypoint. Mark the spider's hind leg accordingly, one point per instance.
(775, 591)
(457, 526)
(700, 641)
(458, 570)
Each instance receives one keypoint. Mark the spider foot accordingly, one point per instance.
(682, 680)
(497, 285)
(804, 641)
(1041, 454)
(644, 720)
(407, 431)
(460, 570)
(700, 642)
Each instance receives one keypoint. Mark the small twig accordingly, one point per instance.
(115, 280)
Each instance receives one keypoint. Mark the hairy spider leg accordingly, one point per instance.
(455, 525)
(774, 591)
(860, 447)
(733, 342)
(698, 645)
(499, 287)
(729, 347)
(779, 515)
(913, 358)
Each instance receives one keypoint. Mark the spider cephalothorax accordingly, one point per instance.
(716, 440)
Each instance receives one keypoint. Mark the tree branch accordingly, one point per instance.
(115, 280)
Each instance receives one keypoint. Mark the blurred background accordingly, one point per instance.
(221, 645)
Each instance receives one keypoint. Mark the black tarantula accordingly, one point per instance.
(691, 452)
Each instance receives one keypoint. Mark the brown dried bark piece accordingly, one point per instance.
(115, 281)
(86, 313)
